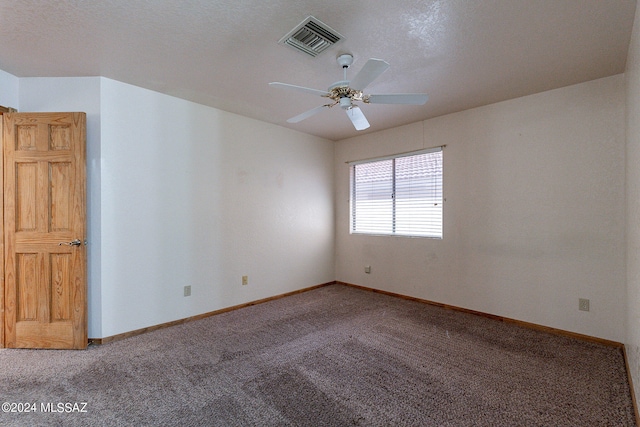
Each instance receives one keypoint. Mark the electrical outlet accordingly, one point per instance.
(187, 291)
(583, 304)
(245, 280)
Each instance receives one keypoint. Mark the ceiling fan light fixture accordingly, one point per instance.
(345, 102)
(311, 36)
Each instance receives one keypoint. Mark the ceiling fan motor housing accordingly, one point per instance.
(341, 93)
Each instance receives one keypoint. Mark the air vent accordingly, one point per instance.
(311, 37)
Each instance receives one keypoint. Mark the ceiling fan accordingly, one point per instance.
(347, 92)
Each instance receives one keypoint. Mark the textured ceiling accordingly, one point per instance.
(224, 53)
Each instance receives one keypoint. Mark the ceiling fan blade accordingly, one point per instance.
(306, 114)
(357, 117)
(398, 98)
(299, 88)
(371, 71)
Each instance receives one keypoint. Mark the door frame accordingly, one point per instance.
(2, 302)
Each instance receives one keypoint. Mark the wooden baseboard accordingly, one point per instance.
(106, 340)
(529, 325)
(631, 389)
(494, 317)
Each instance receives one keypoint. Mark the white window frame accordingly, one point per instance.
(385, 211)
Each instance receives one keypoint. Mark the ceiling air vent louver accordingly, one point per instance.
(311, 37)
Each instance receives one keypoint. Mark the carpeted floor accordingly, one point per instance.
(334, 356)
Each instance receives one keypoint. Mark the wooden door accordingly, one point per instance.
(44, 230)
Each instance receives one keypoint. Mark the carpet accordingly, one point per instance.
(333, 356)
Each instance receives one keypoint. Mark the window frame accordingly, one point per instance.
(393, 223)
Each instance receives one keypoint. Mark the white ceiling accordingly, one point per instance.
(223, 53)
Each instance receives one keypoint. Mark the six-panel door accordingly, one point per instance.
(44, 213)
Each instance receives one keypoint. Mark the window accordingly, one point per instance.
(399, 195)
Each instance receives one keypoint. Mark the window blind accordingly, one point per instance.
(398, 196)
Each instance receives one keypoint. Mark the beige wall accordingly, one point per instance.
(534, 212)
(632, 343)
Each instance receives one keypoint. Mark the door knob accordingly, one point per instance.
(76, 242)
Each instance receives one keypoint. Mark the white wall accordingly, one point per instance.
(534, 211)
(632, 75)
(195, 196)
(8, 90)
(183, 194)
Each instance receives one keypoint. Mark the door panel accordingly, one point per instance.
(59, 175)
(44, 210)
(26, 286)
(60, 296)
(26, 187)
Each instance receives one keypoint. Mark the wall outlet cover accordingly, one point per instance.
(583, 304)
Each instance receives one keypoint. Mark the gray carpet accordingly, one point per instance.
(334, 356)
